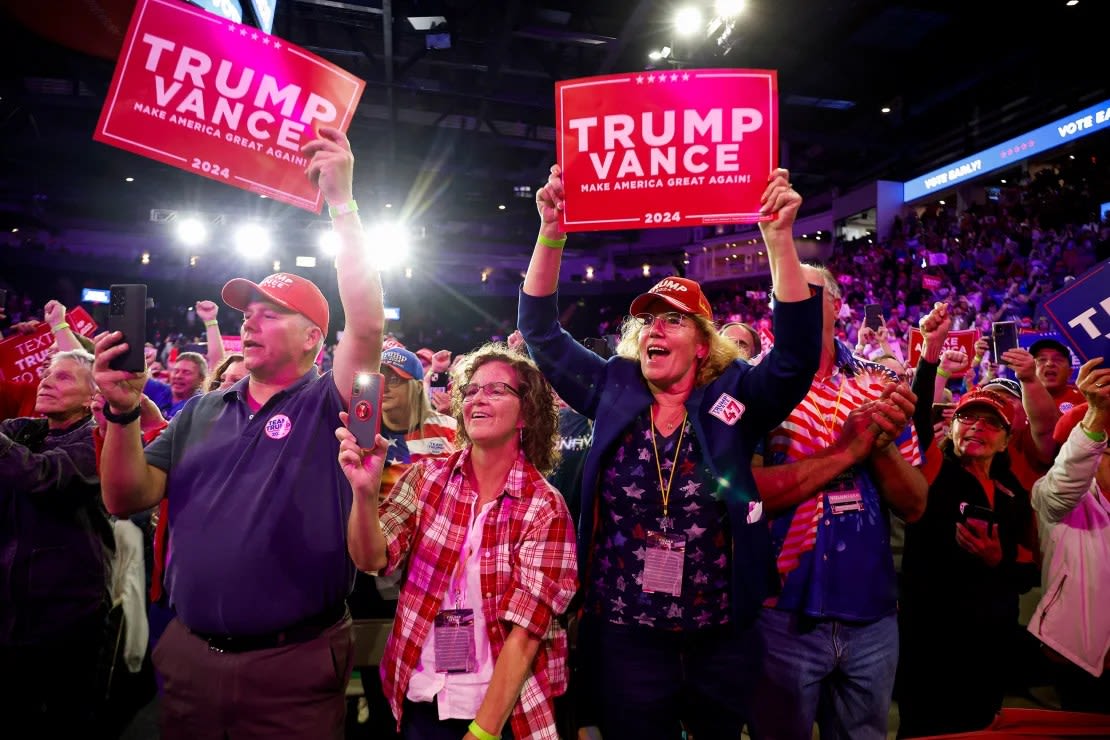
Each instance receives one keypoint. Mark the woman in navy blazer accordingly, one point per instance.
(674, 556)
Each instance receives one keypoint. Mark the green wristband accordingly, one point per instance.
(944, 373)
(1099, 437)
(60, 326)
(551, 243)
(342, 209)
(477, 731)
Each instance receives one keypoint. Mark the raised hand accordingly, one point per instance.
(54, 313)
(121, 389)
(331, 165)
(362, 467)
(550, 198)
(207, 310)
(1022, 363)
(781, 199)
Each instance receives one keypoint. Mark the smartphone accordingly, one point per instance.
(938, 411)
(978, 513)
(873, 316)
(1004, 335)
(127, 314)
(438, 381)
(365, 413)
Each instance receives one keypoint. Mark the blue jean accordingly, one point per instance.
(839, 674)
(651, 684)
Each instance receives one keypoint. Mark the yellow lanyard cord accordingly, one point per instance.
(666, 490)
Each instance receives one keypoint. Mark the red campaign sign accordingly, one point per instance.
(930, 282)
(964, 340)
(223, 100)
(674, 148)
(232, 343)
(24, 357)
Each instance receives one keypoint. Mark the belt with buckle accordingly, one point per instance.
(303, 631)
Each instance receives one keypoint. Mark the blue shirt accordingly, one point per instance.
(258, 508)
(160, 393)
(848, 573)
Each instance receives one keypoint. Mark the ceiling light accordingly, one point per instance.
(728, 8)
(941, 202)
(388, 205)
(655, 56)
(501, 206)
(129, 179)
(263, 196)
(388, 243)
(252, 240)
(306, 261)
(277, 265)
(687, 21)
(646, 269)
(1070, 3)
(1003, 181)
(885, 109)
(145, 258)
(191, 232)
(328, 242)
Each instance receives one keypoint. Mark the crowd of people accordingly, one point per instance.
(688, 531)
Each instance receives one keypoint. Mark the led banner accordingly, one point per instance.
(223, 100)
(964, 340)
(24, 357)
(1081, 311)
(666, 148)
(1050, 136)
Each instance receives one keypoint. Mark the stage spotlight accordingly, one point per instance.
(192, 232)
(688, 21)
(729, 8)
(388, 242)
(252, 240)
(328, 243)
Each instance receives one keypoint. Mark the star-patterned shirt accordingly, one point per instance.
(631, 505)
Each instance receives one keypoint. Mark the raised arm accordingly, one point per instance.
(901, 484)
(64, 338)
(787, 279)
(128, 484)
(206, 312)
(1041, 410)
(360, 286)
(542, 278)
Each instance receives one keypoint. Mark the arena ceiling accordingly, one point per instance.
(452, 130)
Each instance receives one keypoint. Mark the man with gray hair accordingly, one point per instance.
(186, 379)
(55, 551)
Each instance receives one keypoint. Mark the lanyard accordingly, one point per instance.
(666, 489)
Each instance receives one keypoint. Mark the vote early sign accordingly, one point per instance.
(666, 147)
(222, 100)
(1081, 311)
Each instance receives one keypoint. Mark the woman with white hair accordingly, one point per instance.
(55, 550)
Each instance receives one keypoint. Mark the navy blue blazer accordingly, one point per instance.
(613, 392)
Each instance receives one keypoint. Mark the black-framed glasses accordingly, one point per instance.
(495, 390)
(670, 319)
(989, 422)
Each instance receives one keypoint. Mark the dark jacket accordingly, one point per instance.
(55, 537)
(613, 393)
(944, 583)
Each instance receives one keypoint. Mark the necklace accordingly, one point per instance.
(666, 522)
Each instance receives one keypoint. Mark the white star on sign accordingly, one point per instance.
(231, 26)
(254, 37)
(674, 78)
(266, 40)
(651, 78)
(242, 32)
(277, 45)
(685, 77)
(640, 80)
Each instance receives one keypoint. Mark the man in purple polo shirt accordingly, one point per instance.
(258, 571)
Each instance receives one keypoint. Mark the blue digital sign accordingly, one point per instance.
(229, 9)
(264, 14)
(1050, 136)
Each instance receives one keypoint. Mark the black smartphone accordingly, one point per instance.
(978, 513)
(873, 316)
(365, 413)
(1004, 335)
(938, 411)
(438, 381)
(127, 314)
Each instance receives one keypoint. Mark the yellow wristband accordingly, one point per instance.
(1093, 436)
(552, 243)
(60, 325)
(477, 731)
(943, 373)
(211, 322)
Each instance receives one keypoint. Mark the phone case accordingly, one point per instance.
(127, 314)
(1004, 334)
(365, 413)
(873, 316)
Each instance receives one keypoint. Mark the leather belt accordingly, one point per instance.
(307, 629)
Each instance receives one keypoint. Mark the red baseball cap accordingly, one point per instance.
(992, 401)
(293, 292)
(681, 293)
(1067, 422)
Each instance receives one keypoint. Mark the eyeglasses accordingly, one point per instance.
(494, 391)
(989, 422)
(393, 379)
(671, 319)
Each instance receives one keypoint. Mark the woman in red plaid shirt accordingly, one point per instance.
(487, 546)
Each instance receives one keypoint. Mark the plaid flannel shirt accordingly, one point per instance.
(528, 574)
